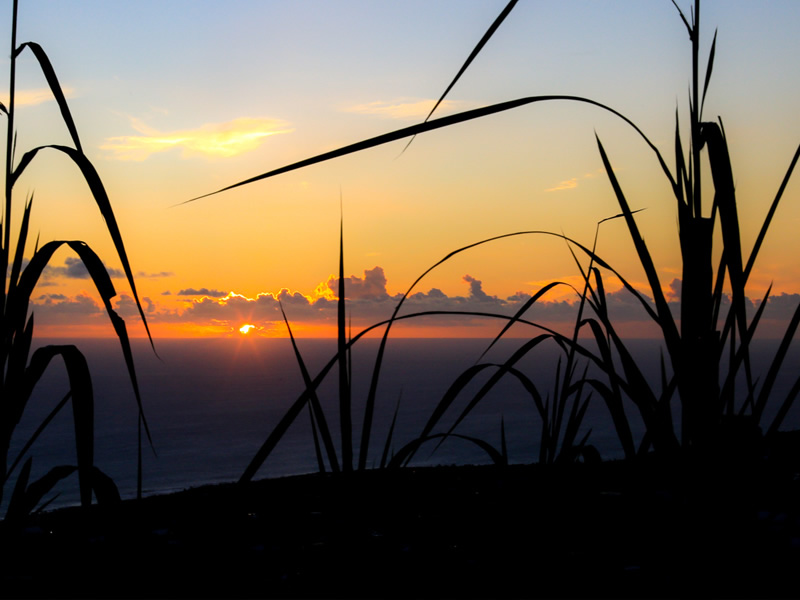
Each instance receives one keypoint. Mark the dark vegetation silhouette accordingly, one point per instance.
(707, 347)
(568, 526)
(21, 369)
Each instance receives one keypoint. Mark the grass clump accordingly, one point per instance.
(21, 368)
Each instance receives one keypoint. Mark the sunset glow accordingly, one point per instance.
(186, 118)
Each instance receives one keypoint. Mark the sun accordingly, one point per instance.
(246, 328)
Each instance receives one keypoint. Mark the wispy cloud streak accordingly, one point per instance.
(212, 139)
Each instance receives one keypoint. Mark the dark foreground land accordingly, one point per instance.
(607, 530)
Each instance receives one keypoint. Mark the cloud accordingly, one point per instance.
(155, 275)
(57, 306)
(570, 184)
(36, 96)
(370, 287)
(567, 184)
(475, 289)
(202, 292)
(369, 302)
(212, 139)
(405, 108)
(75, 269)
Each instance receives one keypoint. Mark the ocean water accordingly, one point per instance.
(211, 403)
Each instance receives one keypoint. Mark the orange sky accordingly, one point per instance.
(210, 100)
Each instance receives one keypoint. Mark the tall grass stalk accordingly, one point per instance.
(21, 368)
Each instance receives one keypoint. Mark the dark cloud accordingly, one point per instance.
(368, 302)
(675, 289)
(370, 287)
(51, 305)
(202, 292)
(155, 275)
(475, 290)
(75, 269)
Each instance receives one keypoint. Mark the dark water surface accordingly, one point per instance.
(211, 403)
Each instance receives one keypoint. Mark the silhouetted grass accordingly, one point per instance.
(709, 330)
(21, 368)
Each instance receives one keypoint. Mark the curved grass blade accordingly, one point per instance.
(595, 258)
(447, 121)
(315, 406)
(770, 213)
(664, 319)
(18, 303)
(80, 383)
(294, 410)
(389, 435)
(521, 311)
(52, 81)
(42, 426)
(25, 497)
(100, 196)
(776, 364)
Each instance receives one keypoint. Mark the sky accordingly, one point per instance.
(177, 99)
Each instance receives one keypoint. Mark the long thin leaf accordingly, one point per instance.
(294, 410)
(41, 427)
(709, 68)
(447, 121)
(314, 400)
(777, 362)
(770, 214)
(100, 196)
(388, 443)
(344, 377)
(475, 51)
(664, 320)
(80, 383)
(52, 81)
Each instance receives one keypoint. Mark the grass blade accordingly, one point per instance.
(475, 51)
(709, 68)
(52, 81)
(447, 121)
(770, 213)
(344, 380)
(42, 426)
(664, 319)
(80, 383)
(314, 405)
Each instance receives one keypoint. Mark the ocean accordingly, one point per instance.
(211, 403)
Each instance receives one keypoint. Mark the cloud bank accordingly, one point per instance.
(369, 302)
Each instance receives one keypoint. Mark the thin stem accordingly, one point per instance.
(696, 143)
(9, 151)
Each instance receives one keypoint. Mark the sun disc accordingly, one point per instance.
(247, 328)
